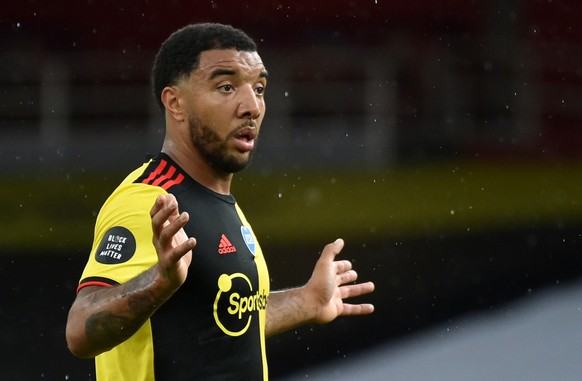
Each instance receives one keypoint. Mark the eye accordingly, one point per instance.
(226, 88)
(259, 89)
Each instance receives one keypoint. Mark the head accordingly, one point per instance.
(209, 81)
(179, 55)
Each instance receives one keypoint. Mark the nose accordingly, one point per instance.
(249, 104)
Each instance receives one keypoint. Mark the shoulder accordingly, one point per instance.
(132, 199)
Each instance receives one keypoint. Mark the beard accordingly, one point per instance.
(214, 149)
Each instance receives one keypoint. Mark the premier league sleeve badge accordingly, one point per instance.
(249, 239)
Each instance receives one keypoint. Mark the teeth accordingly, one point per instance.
(244, 135)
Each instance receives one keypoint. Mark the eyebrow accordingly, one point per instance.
(220, 72)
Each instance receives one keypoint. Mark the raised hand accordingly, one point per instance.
(321, 300)
(173, 246)
(329, 286)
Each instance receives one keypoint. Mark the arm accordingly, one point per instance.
(101, 318)
(321, 299)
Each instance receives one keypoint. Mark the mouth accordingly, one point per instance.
(246, 137)
(246, 134)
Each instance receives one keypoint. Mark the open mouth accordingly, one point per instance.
(246, 138)
(247, 134)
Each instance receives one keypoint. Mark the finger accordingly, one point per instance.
(160, 212)
(332, 249)
(357, 309)
(170, 230)
(354, 290)
(182, 249)
(164, 208)
(346, 277)
(162, 201)
(342, 266)
(158, 204)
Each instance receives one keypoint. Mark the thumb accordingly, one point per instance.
(331, 250)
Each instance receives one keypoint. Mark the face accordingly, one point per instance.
(225, 104)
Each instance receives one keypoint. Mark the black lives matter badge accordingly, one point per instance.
(117, 246)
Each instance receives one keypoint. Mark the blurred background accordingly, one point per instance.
(440, 139)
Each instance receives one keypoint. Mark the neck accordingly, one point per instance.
(197, 168)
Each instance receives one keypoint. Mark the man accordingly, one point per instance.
(180, 290)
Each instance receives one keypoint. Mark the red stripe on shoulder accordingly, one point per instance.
(156, 172)
(171, 183)
(166, 176)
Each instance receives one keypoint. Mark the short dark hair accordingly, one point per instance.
(179, 55)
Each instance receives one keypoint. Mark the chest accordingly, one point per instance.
(225, 246)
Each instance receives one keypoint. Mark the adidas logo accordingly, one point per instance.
(225, 247)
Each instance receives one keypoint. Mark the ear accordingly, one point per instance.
(171, 100)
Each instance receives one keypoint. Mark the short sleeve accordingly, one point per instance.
(122, 245)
